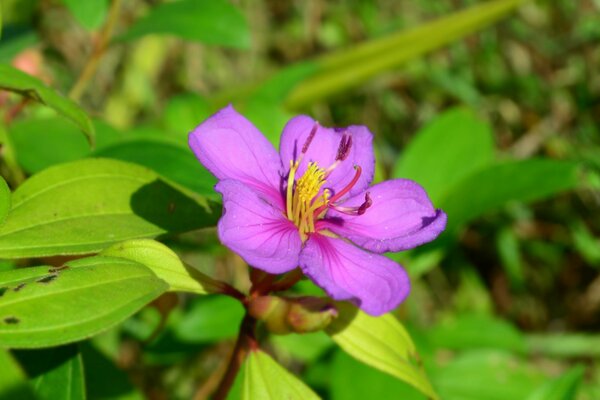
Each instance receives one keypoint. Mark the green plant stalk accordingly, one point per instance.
(349, 68)
(99, 49)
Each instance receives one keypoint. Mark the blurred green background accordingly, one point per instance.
(496, 112)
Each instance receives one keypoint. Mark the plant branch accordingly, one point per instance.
(99, 49)
(245, 342)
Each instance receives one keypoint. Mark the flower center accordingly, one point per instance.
(305, 201)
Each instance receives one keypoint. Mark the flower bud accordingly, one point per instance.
(286, 315)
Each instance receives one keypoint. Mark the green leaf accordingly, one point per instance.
(445, 151)
(170, 159)
(267, 380)
(215, 22)
(564, 345)
(493, 187)
(165, 264)
(381, 342)
(17, 81)
(372, 383)
(562, 388)
(48, 306)
(87, 205)
(4, 200)
(210, 319)
(490, 375)
(464, 332)
(89, 13)
(13, 382)
(41, 143)
(350, 68)
(183, 113)
(55, 373)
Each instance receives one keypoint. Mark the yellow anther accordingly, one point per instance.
(302, 200)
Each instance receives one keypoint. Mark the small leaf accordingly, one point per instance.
(381, 342)
(17, 81)
(89, 13)
(267, 380)
(165, 264)
(52, 306)
(41, 143)
(445, 151)
(4, 200)
(55, 373)
(562, 388)
(214, 22)
(87, 205)
(494, 186)
(169, 159)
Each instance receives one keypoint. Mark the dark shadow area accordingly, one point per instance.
(171, 210)
(41, 361)
(20, 391)
(346, 314)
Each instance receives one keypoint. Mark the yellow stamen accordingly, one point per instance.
(302, 200)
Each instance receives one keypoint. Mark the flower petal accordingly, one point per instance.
(230, 147)
(323, 150)
(257, 231)
(375, 283)
(401, 217)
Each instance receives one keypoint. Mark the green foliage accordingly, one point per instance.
(212, 22)
(13, 381)
(445, 151)
(89, 13)
(342, 70)
(494, 186)
(54, 373)
(164, 263)
(5, 200)
(86, 205)
(169, 159)
(265, 379)
(381, 342)
(16, 81)
(562, 388)
(47, 306)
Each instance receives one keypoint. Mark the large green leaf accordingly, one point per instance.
(212, 22)
(381, 342)
(448, 149)
(349, 68)
(55, 373)
(44, 306)
(15, 80)
(494, 186)
(170, 159)
(87, 205)
(165, 264)
(266, 380)
(4, 200)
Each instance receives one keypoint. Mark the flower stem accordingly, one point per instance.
(245, 342)
(99, 48)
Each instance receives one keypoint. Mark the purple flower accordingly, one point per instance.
(310, 206)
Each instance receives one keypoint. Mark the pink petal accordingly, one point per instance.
(230, 147)
(375, 283)
(401, 217)
(323, 150)
(257, 231)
